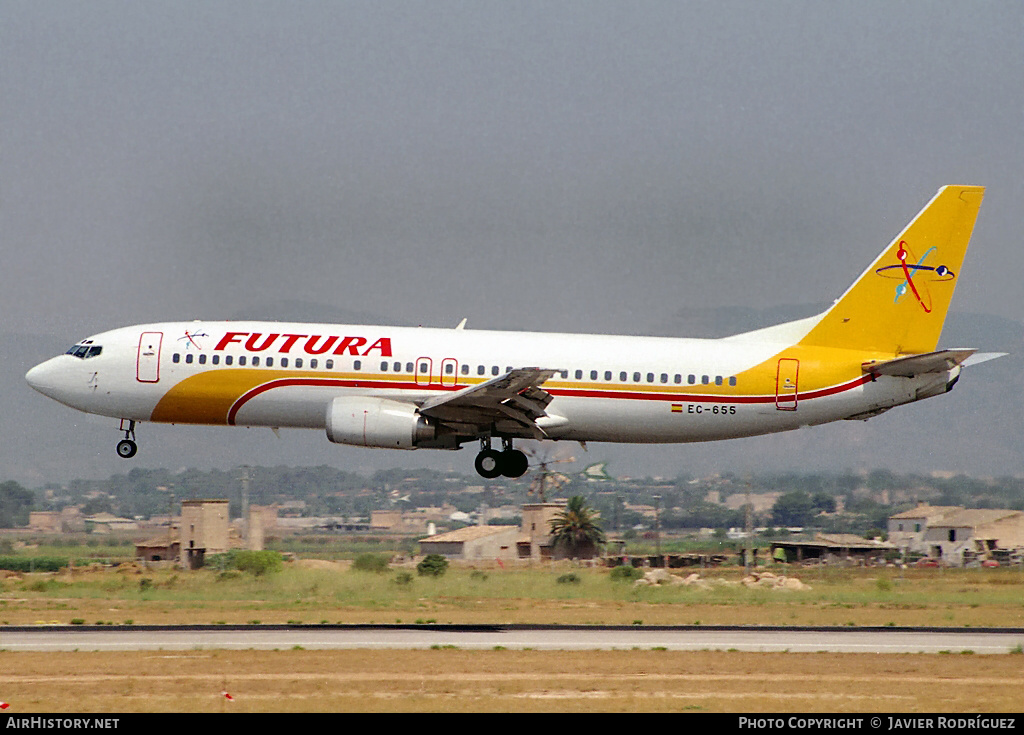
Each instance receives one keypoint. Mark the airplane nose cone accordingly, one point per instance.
(44, 377)
(36, 376)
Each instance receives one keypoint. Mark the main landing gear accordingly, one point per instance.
(508, 462)
(126, 448)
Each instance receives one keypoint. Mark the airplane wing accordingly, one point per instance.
(929, 362)
(515, 397)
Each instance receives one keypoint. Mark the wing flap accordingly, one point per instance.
(515, 396)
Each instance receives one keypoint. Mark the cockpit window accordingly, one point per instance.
(85, 350)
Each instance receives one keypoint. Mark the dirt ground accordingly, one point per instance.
(507, 681)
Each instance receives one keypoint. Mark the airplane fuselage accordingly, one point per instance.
(606, 388)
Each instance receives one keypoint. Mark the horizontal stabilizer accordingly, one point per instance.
(930, 362)
(979, 357)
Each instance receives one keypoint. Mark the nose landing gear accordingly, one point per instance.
(127, 448)
(508, 462)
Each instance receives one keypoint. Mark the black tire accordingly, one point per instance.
(514, 463)
(489, 464)
(126, 449)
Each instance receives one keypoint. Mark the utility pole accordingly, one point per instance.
(657, 527)
(748, 531)
(245, 495)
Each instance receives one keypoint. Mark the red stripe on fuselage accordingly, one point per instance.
(568, 392)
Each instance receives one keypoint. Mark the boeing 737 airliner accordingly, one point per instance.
(410, 388)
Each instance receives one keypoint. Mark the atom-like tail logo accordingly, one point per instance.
(907, 272)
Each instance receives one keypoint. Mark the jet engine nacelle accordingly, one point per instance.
(377, 422)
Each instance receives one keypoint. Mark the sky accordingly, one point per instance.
(565, 166)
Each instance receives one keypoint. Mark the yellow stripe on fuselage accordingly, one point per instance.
(208, 397)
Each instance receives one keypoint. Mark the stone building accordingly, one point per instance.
(974, 533)
(204, 530)
(473, 542)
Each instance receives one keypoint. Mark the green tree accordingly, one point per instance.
(257, 563)
(575, 531)
(793, 509)
(370, 562)
(432, 565)
(15, 503)
(823, 502)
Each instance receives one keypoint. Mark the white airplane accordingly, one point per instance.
(409, 388)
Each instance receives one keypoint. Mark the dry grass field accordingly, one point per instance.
(510, 681)
(325, 592)
(507, 681)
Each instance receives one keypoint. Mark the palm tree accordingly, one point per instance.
(576, 531)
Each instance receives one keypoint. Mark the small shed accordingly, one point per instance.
(158, 549)
(832, 548)
(473, 542)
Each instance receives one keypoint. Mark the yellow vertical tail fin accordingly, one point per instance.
(899, 303)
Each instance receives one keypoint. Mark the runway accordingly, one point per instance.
(567, 638)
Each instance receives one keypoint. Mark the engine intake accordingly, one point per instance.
(377, 422)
